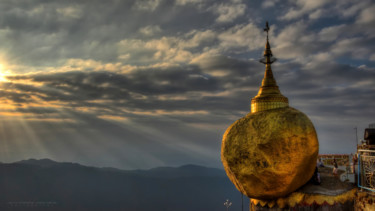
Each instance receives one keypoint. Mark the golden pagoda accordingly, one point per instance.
(272, 151)
(269, 96)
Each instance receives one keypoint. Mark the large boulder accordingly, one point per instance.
(271, 153)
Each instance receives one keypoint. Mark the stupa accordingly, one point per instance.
(272, 151)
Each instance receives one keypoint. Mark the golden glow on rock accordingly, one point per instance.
(308, 199)
(270, 154)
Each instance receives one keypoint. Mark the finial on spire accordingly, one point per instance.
(267, 29)
(267, 55)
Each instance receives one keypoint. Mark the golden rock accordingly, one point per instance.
(272, 151)
(270, 154)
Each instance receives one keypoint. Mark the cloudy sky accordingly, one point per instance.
(145, 83)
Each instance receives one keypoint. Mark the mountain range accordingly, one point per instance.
(49, 185)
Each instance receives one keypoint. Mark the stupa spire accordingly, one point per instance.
(269, 95)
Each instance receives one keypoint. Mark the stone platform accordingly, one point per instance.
(331, 194)
(365, 201)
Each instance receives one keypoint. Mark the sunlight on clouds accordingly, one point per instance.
(269, 3)
(160, 112)
(70, 12)
(6, 105)
(315, 60)
(11, 114)
(115, 118)
(150, 30)
(367, 16)
(167, 49)
(74, 65)
(184, 2)
(47, 104)
(349, 10)
(239, 38)
(242, 36)
(229, 12)
(303, 7)
(199, 38)
(331, 33)
(168, 97)
(58, 120)
(84, 64)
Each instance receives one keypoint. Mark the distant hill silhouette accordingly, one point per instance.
(49, 185)
(42, 162)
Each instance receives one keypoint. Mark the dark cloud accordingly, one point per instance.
(190, 89)
(42, 33)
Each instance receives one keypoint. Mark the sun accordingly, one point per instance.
(3, 74)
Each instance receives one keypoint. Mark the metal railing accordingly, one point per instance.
(366, 169)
